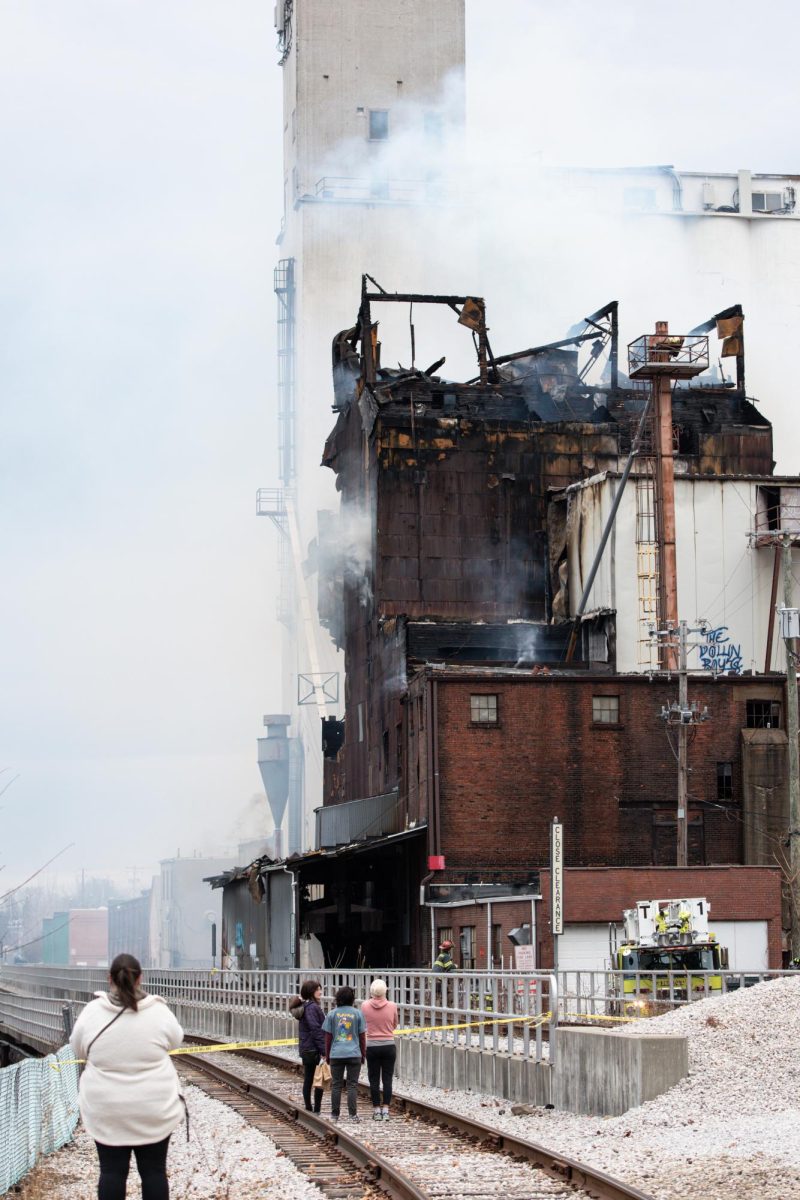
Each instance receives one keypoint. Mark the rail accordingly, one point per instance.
(37, 1021)
(478, 1008)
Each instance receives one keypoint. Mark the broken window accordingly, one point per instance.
(763, 714)
(605, 710)
(724, 781)
(483, 709)
(378, 125)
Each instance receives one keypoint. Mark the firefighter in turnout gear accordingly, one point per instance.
(444, 962)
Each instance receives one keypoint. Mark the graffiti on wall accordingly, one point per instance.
(719, 654)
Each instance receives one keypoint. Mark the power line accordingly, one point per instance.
(11, 891)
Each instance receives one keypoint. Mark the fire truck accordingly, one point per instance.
(663, 941)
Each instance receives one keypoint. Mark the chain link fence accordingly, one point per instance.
(38, 1112)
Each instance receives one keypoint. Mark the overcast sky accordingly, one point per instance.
(140, 142)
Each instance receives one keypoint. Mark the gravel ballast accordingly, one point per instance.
(224, 1158)
(731, 1128)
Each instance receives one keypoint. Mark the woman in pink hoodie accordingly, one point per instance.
(381, 1018)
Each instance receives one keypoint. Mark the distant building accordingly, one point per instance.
(184, 911)
(129, 928)
(77, 938)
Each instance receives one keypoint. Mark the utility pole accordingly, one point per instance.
(683, 751)
(685, 716)
(790, 622)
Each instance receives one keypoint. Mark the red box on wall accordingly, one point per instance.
(435, 862)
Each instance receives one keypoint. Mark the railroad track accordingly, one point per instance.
(424, 1152)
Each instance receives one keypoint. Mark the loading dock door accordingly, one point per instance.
(746, 942)
(583, 948)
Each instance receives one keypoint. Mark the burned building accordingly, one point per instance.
(483, 693)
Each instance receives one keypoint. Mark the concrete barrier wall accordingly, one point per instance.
(604, 1074)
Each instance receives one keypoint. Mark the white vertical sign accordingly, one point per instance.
(557, 877)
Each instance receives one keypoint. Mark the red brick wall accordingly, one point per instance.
(599, 895)
(88, 937)
(500, 786)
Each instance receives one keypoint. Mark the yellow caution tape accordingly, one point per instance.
(219, 1047)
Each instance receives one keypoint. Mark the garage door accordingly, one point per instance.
(746, 942)
(583, 948)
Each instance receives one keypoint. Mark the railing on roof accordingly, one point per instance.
(680, 356)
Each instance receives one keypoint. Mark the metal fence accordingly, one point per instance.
(38, 1112)
(36, 1020)
(584, 995)
(482, 1009)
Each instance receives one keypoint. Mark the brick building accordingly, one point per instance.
(450, 579)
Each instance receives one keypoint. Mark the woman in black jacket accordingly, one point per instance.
(307, 1009)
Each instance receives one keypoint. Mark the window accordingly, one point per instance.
(483, 709)
(497, 945)
(378, 125)
(763, 714)
(386, 754)
(767, 201)
(605, 710)
(724, 781)
(467, 948)
(444, 934)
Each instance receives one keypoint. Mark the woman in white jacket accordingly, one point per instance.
(129, 1096)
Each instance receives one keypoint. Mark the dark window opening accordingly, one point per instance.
(763, 714)
(497, 945)
(724, 781)
(378, 125)
(386, 754)
(399, 751)
(771, 497)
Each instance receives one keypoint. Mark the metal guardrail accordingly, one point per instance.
(474, 1008)
(584, 995)
(38, 1021)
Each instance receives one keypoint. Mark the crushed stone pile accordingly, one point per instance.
(733, 1123)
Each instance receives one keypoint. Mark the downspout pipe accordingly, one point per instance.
(595, 567)
(677, 188)
(295, 936)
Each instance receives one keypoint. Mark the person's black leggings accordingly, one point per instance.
(310, 1060)
(380, 1068)
(151, 1161)
(352, 1066)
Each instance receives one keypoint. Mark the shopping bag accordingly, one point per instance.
(322, 1076)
